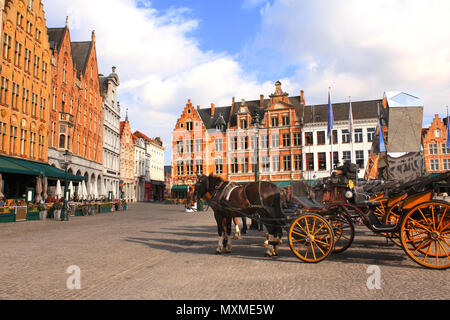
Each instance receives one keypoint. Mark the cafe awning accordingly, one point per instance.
(22, 166)
(180, 188)
(282, 184)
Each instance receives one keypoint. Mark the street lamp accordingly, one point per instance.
(256, 122)
(65, 210)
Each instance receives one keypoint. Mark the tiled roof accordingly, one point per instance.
(80, 55)
(55, 37)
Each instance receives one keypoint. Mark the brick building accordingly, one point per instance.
(434, 140)
(222, 141)
(25, 82)
(76, 111)
(127, 166)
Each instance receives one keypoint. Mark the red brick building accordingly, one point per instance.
(436, 153)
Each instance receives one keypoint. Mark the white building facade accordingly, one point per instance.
(317, 148)
(140, 160)
(111, 132)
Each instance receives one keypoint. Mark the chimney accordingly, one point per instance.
(302, 97)
(67, 21)
(213, 108)
(93, 36)
(232, 102)
(261, 101)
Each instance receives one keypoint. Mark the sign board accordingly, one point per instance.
(405, 129)
(405, 168)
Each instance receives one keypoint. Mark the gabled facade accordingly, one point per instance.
(76, 113)
(25, 82)
(127, 171)
(436, 153)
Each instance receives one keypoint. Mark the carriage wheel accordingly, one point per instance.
(311, 238)
(344, 232)
(425, 234)
(393, 217)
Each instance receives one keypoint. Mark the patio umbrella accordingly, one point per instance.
(58, 192)
(1, 183)
(85, 193)
(96, 191)
(45, 188)
(71, 190)
(38, 190)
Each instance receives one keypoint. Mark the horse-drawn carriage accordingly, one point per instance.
(408, 214)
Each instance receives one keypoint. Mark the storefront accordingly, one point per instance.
(180, 192)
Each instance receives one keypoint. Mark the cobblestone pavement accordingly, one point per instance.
(159, 252)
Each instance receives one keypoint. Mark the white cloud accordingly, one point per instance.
(361, 48)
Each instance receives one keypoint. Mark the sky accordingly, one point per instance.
(169, 51)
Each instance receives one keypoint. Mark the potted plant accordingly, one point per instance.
(42, 211)
(57, 206)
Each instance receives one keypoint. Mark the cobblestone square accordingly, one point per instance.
(156, 251)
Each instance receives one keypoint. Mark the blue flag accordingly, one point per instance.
(381, 138)
(330, 117)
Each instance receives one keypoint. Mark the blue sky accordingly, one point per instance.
(169, 51)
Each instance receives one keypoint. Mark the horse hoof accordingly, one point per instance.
(218, 251)
(227, 251)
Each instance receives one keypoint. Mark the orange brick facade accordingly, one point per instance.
(437, 156)
(222, 141)
(127, 182)
(25, 81)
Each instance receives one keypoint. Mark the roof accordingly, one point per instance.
(221, 114)
(55, 37)
(403, 99)
(361, 110)
(80, 55)
(141, 135)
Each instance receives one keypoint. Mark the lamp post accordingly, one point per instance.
(256, 122)
(65, 210)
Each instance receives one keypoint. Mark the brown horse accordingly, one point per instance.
(190, 203)
(228, 200)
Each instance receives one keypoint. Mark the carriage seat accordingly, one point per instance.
(308, 202)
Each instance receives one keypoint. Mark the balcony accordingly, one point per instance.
(66, 118)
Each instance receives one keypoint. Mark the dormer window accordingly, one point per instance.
(244, 124)
(219, 127)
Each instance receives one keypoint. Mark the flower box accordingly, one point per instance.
(6, 215)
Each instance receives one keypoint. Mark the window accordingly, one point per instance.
(274, 121)
(297, 139)
(335, 159)
(15, 96)
(27, 60)
(180, 147)
(346, 156)
(345, 136)
(321, 137)
(243, 124)
(218, 144)
(276, 163)
(189, 146)
(310, 161)
(23, 141)
(42, 114)
(358, 135)
(444, 149)
(322, 157)
(25, 98)
(53, 133)
(4, 90)
(198, 145)
(189, 126)
(180, 168)
(265, 164)
(433, 149)
(12, 139)
(2, 136)
(244, 165)
(36, 66)
(309, 140)
(32, 144)
(437, 133)
(359, 158)
(234, 165)
(34, 103)
(275, 140)
(17, 54)
(287, 163)
(371, 134)
(434, 165)
(189, 167)
(6, 46)
(62, 141)
(286, 121)
(335, 137)
(244, 143)
(219, 166)
(264, 141)
(446, 163)
(298, 162)
(286, 140)
(234, 143)
(199, 166)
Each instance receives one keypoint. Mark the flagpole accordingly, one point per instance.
(330, 126)
(351, 130)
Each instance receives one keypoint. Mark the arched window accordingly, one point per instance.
(62, 141)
